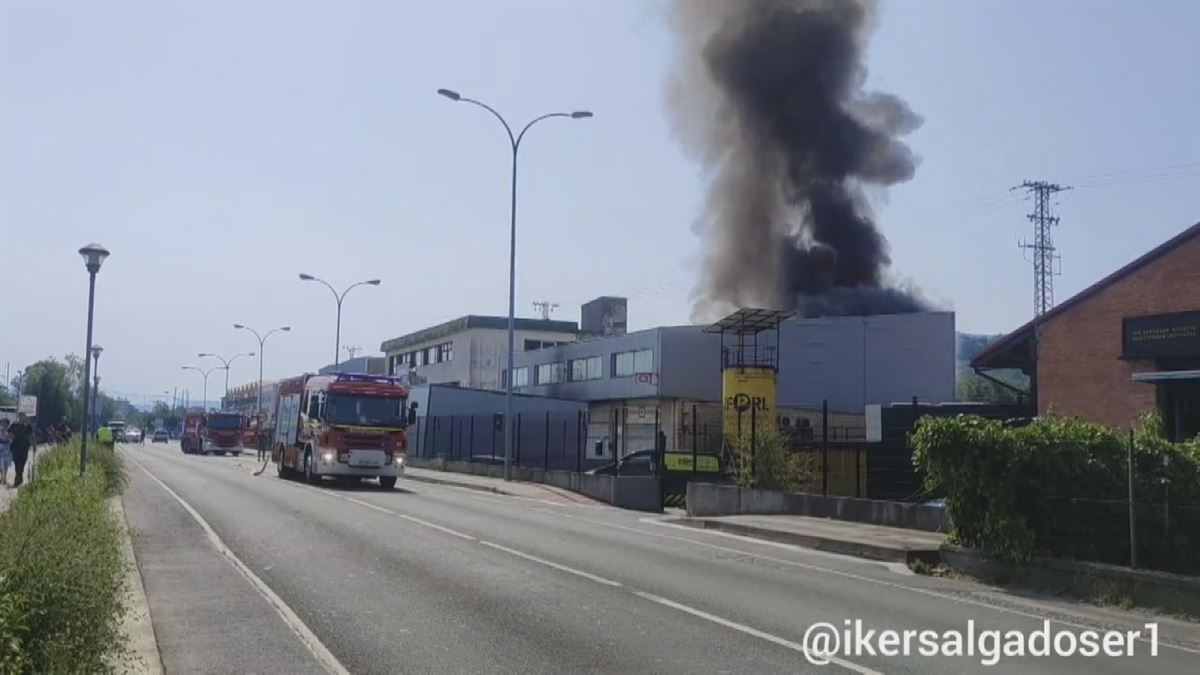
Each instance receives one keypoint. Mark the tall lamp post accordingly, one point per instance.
(262, 347)
(93, 257)
(337, 342)
(226, 362)
(205, 373)
(515, 141)
(94, 406)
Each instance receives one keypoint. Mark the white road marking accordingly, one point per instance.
(435, 526)
(369, 505)
(742, 628)
(293, 621)
(552, 564)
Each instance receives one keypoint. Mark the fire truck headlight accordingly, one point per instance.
(328, 457)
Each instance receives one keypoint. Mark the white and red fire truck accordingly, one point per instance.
(343, 425)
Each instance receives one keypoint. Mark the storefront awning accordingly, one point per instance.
(1166, 376)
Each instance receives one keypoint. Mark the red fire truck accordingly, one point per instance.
(343, 425)
(214, 432)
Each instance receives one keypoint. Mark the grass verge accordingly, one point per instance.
(62, 574)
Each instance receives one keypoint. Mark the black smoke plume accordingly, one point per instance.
(769, 96)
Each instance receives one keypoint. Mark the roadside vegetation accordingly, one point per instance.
(62, 573)
(1059, 487)
(770, 461)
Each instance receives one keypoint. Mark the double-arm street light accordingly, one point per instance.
(205, 373)
(262, 343)
(337, 341)
(515, 141)
(93, 256)
(226, 362)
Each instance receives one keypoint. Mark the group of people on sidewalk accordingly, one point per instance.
(16, 438)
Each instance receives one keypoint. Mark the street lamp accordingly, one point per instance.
(515, 141)
(205, 373)
(337, 343)
(93, 408)
(93, 257)
(225, 361)
(262, 347)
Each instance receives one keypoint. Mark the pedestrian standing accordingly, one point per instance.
(22, 439)
(5, 451)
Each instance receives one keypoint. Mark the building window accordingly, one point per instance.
(520, 379)
(549, 373)
(590, 368)
(530, 345)
(445, 352)
(431, 355)
(625, 364)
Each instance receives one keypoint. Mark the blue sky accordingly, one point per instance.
(218, 149)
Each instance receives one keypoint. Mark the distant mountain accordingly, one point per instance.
(969, 345)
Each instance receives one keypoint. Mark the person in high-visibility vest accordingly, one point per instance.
(105, 436)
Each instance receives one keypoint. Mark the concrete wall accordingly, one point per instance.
(711, 499)
(640, 493)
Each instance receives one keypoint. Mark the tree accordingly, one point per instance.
(49, 380)
(976, 388)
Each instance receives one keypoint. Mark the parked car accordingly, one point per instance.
(640, 463)
(160, 436)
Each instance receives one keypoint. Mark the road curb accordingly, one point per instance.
(845, 547)
(461, 484)
(136, 624)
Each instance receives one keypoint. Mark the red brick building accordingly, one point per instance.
(1128, 344)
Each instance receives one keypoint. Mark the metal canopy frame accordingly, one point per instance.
(749, 323)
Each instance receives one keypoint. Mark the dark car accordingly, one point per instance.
(640, 463)
(160, 436)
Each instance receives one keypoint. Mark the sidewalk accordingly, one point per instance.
(498, 486)
(835, 536)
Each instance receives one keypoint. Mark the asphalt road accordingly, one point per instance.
(293, 578)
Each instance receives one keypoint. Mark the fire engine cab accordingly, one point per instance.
(214, 432)
(342, 425)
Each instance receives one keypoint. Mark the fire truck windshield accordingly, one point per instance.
(224, 421)
(366, 411)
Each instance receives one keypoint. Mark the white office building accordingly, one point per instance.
(470, 351)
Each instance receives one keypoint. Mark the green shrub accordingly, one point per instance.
(1059, 487)
(770, 462)
(62, 570)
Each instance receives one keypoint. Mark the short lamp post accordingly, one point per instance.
(93, 257)
(94, 406)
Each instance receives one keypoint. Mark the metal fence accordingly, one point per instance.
(544, 441)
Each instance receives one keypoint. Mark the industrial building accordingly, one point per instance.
(1128, 344)
(661, 379)
(472, 351)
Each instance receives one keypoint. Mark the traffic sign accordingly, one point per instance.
(27, 405)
